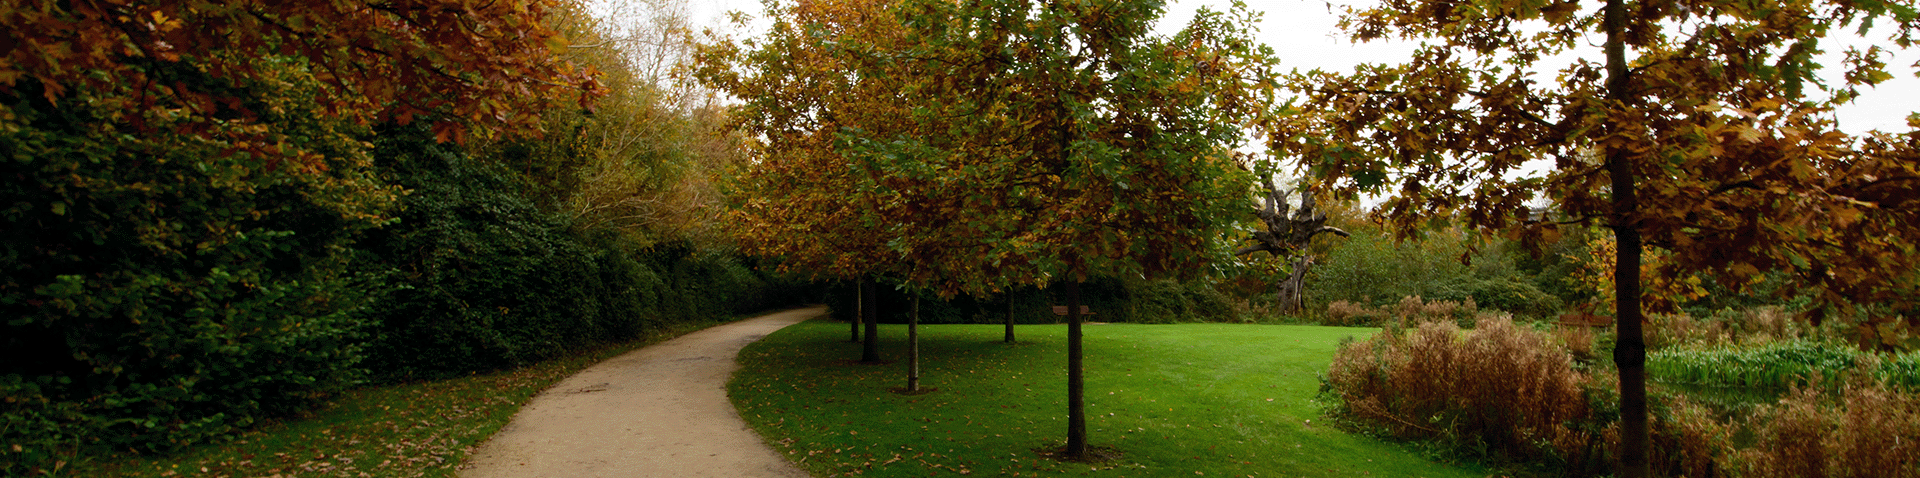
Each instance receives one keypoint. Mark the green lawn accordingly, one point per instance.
(1174, 400)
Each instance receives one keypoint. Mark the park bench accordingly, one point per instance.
(1061, 310)
(1578, 319)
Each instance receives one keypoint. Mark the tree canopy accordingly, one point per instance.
(970, 146)
(466, 62)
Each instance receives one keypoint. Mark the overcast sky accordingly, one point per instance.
(1304, 34)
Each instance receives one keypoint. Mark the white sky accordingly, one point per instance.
(1305, 36)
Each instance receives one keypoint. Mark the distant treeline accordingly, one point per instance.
(1145, 301)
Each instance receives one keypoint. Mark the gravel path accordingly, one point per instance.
(661, 411)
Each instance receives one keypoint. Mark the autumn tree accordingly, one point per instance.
(968, 147)
(649, 157)
(184, 180)
(1701, 128)
(798, 92)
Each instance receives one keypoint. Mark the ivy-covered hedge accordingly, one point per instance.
(482, 278)
(161, 291)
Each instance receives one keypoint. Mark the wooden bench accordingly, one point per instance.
(1577, 319)
(1061, 310)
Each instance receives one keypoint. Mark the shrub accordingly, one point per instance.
(481, 278)
(1688, 439)
(1341, 313)
(1512, 294)
(1757, 325)
(162, 289)
(1499, 388)
(1371, 267)
(1873, 432)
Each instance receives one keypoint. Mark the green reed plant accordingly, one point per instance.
(1771, 365)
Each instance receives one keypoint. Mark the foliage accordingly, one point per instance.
(1863, 430)
(423, 428)
(1138, 301)
(373, 62)
(648, 158)
(1776, 365)
(1499, 388)
(162, 289)
(972, 146)
(1724, 128)
(1410, 309)
(1758, 325)
(1372, 269)
(1220, 399)
(1420, 383)
(483, 279)
(1664, 293)
(184, 181)
(1704, 143)
(1902, 371)
(1781, 365)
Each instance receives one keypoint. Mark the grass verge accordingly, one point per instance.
(421, 429)
(1170, 400)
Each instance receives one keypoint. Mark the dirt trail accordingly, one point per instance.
(661, 411)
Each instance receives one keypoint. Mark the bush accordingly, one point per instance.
(1507, 392)
(1758, 325)
(162, 289)
(1499, 388)
(482, 279)
(1341, 313)
(1513, 295)
(1409, 309)
(1371, 269)
(1873, 432)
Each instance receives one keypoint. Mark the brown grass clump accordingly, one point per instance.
(1579, 342)
(1500, 387)
(1348, 314)
(1512, 392)
(1688, 440)
(1752, 326)
(1413, 308)
(1410, 309)
(1873, 432)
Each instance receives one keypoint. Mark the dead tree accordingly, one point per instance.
(1288, 232)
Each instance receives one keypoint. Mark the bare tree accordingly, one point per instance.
(1289, 230)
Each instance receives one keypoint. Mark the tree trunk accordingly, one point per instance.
(1076, 380)
(859, 312)
(1009, 315)
(913, 347)
(870, 352)
(1630, 352)
(1291, 291)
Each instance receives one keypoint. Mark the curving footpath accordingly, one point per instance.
(660, 411)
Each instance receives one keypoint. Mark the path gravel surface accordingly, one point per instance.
(660, 411)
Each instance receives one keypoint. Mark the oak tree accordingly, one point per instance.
(1700, 129)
